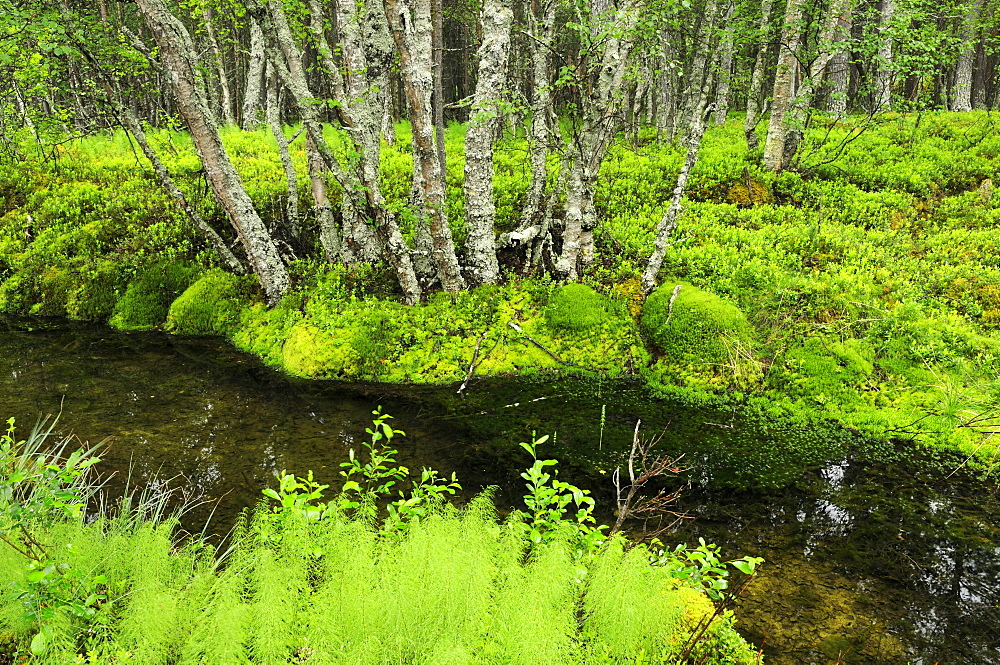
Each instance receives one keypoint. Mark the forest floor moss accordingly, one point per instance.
(863, 288)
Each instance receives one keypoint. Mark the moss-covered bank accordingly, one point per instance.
(865, 292)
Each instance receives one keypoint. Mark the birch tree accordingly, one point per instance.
(607, 42)
(962, 98)
(411, 25)
(755, 94)
(484, 123)
(180, 59)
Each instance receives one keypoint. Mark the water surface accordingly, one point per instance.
(875, 554)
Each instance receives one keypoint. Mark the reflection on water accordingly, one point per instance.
(870, 558)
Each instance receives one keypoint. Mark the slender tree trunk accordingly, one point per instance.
(962, 98)
(360, 185)
(883, 81)
(588, 148)
(167, 183)
(227, 101)
(255, 73)
(725, 69)
(291, 177)
(541, 25)
(484, 123)
(411, 27)
(668, 223)
(329, 237)
(437, 98)
(782, 95)
(838, 70)
(179, 57)
(755, 95)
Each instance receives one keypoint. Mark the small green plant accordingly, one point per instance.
(700, 567)
(40, 487)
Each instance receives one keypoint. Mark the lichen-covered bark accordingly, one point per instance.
(962, 100)
(590, 144)
(291, 177)
(179, 58)
(670, 218)
(541, 24)
(253, 89)
(480, 245)
(783, 92)
(360, 182)
(725, 69)
(411, 27)
(226, 103)
(755, 94)
(883, 82)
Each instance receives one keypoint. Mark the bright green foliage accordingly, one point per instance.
(889, 248)
(146, 301)
(210, 306)
(305, 579)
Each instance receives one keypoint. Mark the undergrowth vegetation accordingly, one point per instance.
(378, 574)
(862, 287)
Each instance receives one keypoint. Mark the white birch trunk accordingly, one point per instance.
(227, 99)
(541, 26)
(962, 98)
(181, 62)
(782, 95)
(588, 148)
(484, 121)
(755, 95)
(291, 177)
(411, 27)
(668, 223)
(255, 73)
(883, 81)
(725, 68)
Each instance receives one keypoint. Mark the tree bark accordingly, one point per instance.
(411, 27)
(179, 58)
(668, 223)
(255, 73)
(600, 104)
(837, 71)
(754, 96)
(227, 99)
(541, 24)
(291, 177)
(484, 121)
(962, 98)
(783, 93)
(725, 69)
(883, 81)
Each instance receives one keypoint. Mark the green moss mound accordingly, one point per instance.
(576, 308)
(210, 306)
(147, 299)
(700, 327)
(99, 291)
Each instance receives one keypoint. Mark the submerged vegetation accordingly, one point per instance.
(378, 574)
(863, 289)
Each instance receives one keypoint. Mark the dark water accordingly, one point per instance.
(875, 554)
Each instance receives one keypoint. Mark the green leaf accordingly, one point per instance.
(38, 644)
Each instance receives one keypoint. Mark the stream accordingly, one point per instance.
(875, 553)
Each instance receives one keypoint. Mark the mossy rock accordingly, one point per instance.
(756, 194)
(95, 299)
(147, 299)
(210, 306)
(576, 309)
(700, 328)
(313, 352)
